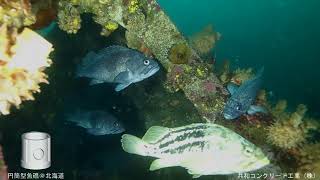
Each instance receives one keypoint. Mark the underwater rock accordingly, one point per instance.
(21, 69)
(46, 13)
(16, 13)
(180, 54)
(309, 159)
(151, 31)
(199, 86)
(69, 19)
(162, 108)
(108, 13)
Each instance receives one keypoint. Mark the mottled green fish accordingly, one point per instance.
(203, 149)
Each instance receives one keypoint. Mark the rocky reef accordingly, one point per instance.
(150, 30)
(308, 158)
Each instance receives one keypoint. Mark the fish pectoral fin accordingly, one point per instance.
(120, 87)
(256, 109)
(194, 175)
(96, 132)
(232, 88)
(155, 133)
(122, 77)
(95, 81)
(162, 163)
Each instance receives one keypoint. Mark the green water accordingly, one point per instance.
(281, 35)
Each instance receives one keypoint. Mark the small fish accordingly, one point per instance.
(242, 98)
(96, 122)
(117, 64)
(203, 149)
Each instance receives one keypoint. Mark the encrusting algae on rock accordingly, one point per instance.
(150, 30)
(69, 18)
(21, 70)
(16, 13)
(309, 159)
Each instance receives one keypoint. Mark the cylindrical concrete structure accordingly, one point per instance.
(36, 153)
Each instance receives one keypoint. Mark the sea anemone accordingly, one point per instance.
(180, 53)
(289, 130)
(284, 136)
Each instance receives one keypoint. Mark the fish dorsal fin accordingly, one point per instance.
(90, 58)
(155, 133)
(256, 109)
(112, 49)
(232, 88)
(93, 57)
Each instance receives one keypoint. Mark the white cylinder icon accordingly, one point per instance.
(36, 153)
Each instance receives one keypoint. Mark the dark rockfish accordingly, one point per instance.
(203, 149)
(242, 98)
(117, 64)
(96, 122)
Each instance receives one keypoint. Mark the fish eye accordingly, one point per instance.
(146, 62)
(238, 107)
(248, 151)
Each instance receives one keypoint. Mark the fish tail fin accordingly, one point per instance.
(87, 61)
(134, 145)
(80, 71)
